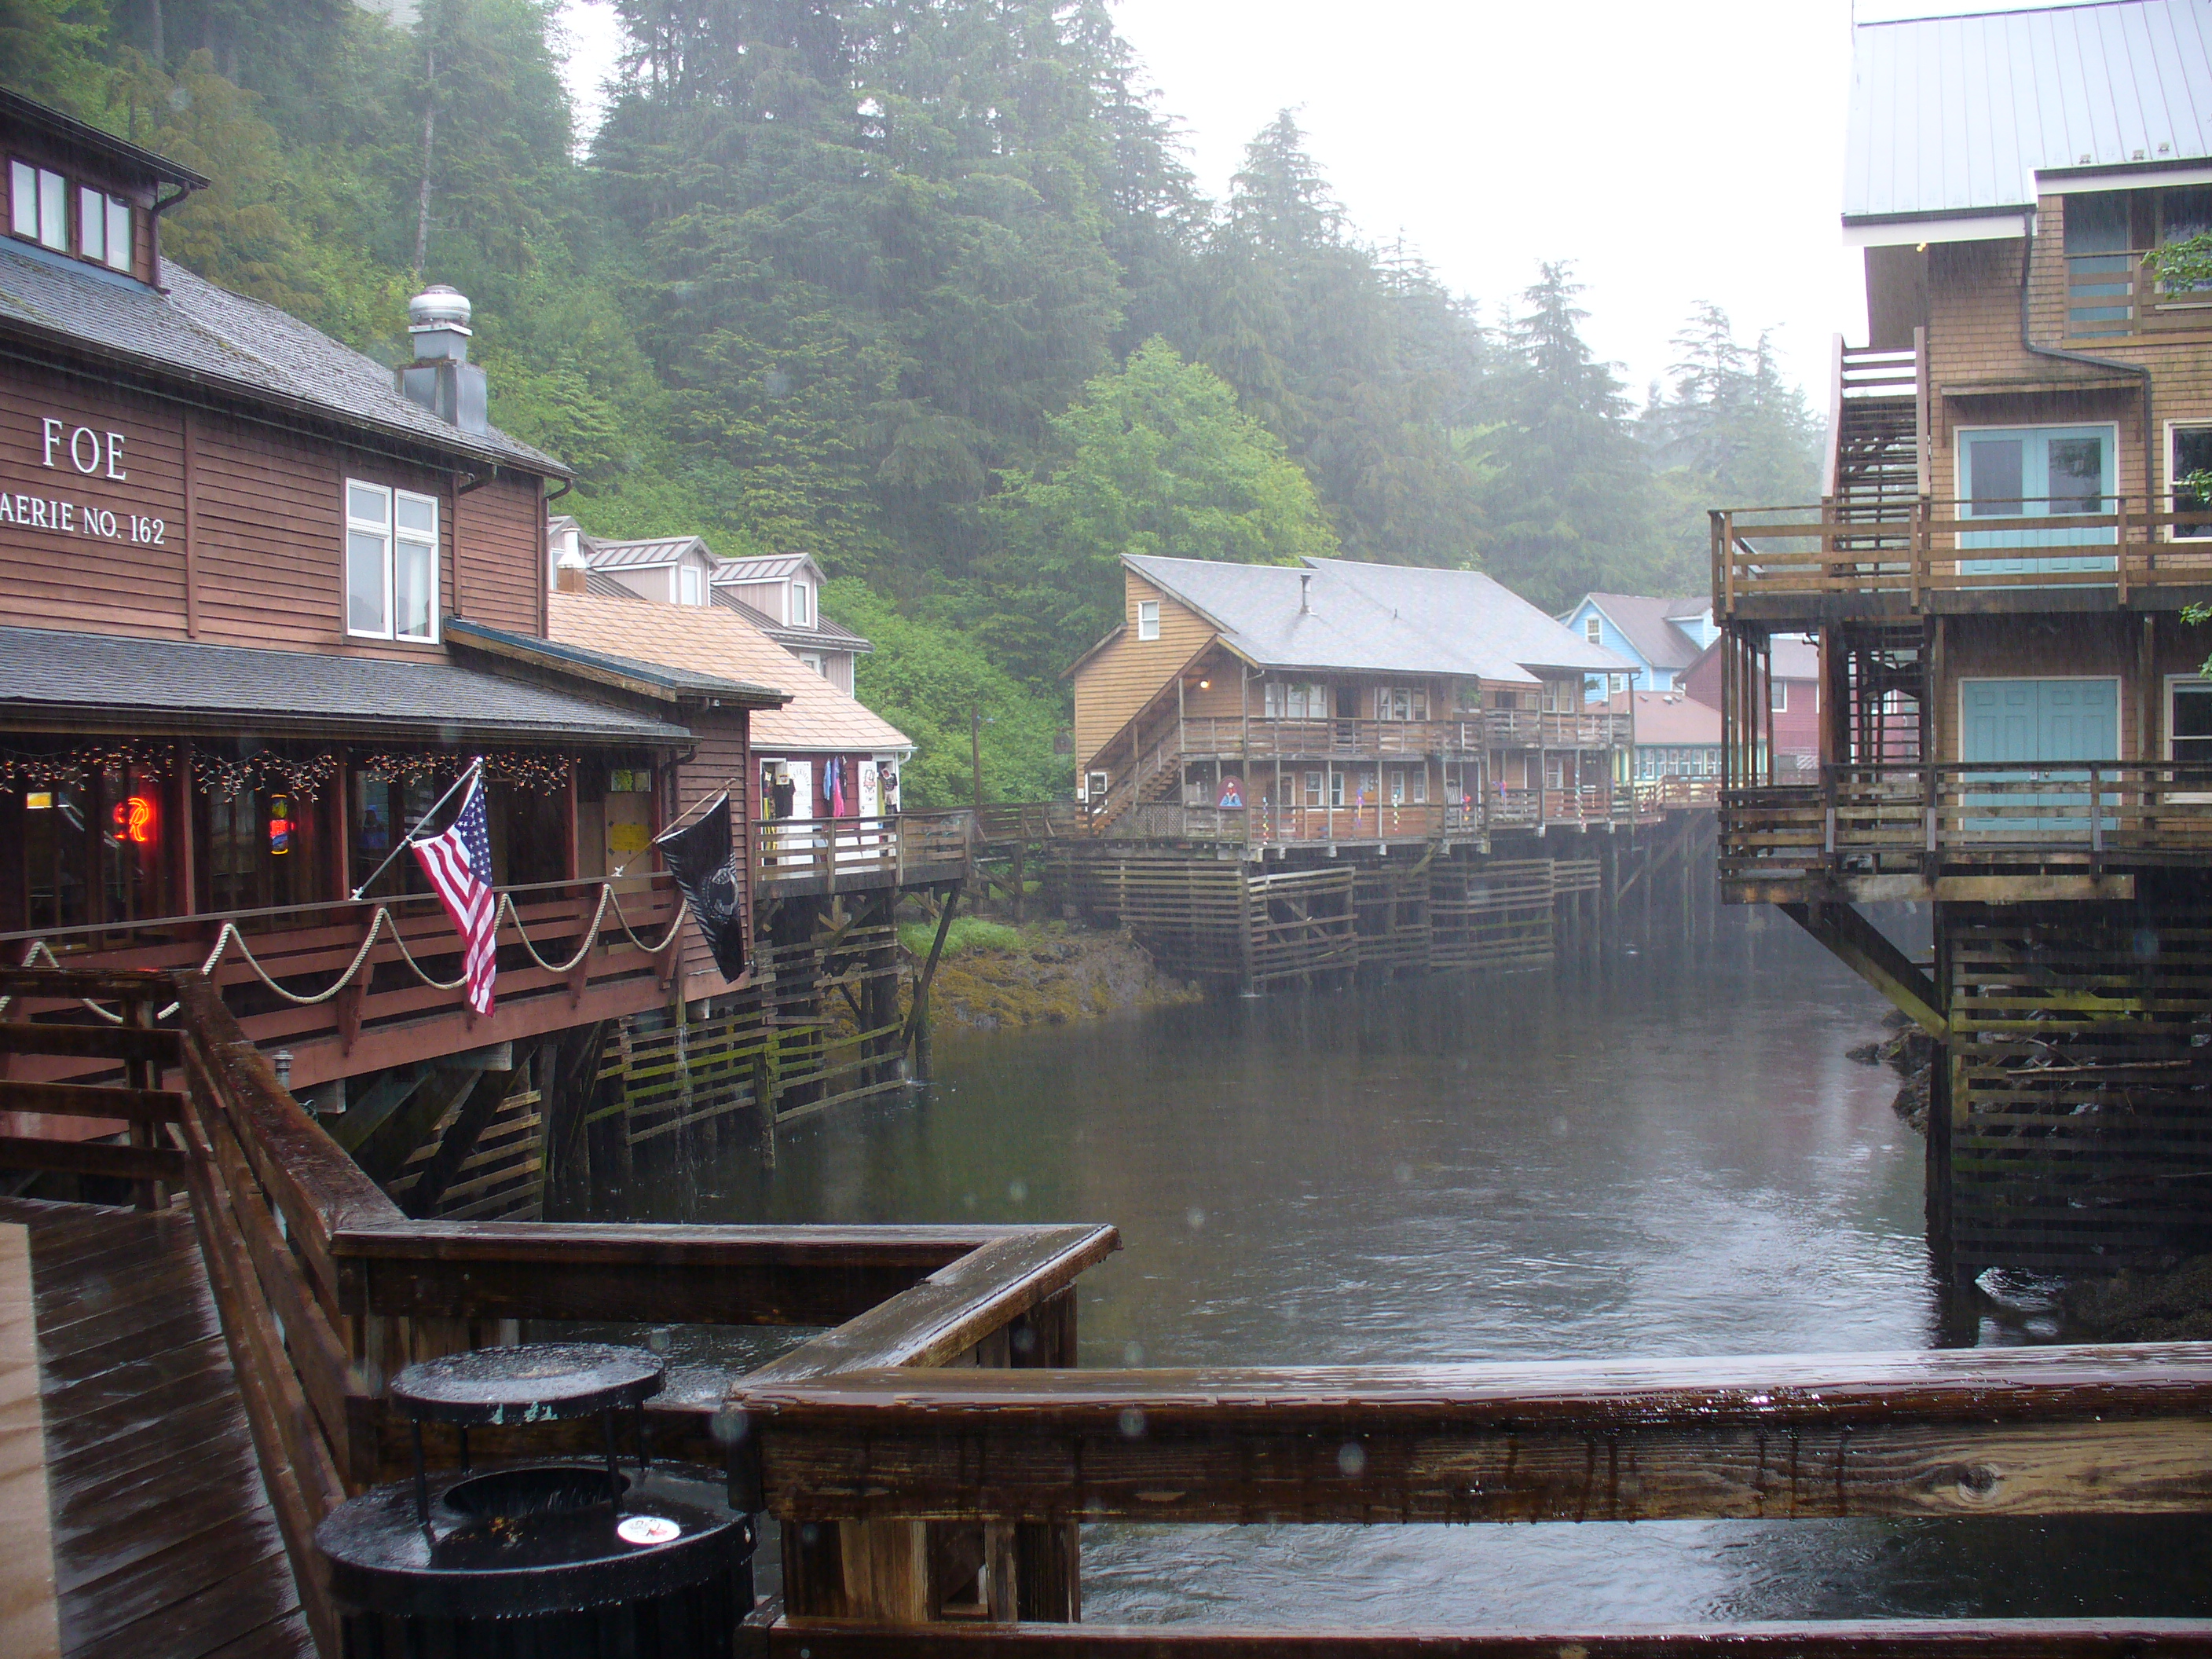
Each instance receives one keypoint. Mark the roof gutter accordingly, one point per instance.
(2141, 371)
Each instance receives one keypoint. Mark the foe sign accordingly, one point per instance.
(88, 452)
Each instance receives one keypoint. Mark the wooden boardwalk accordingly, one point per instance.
(163, 1541)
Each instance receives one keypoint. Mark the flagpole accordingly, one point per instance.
(408, 839)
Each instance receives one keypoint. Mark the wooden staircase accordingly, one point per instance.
(1874, 462)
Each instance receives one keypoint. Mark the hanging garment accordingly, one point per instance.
(837, 788)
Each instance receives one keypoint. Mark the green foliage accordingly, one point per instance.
(929, 678)
(53, 49)
(1155, 459)
(2186, 263)
(968, 936)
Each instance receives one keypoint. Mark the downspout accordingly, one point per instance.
(153, 219)
(2141, 371)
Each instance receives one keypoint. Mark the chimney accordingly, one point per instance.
(568, 569)
(442, 379)
(1305, 593)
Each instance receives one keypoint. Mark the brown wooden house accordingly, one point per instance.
(2012, 723)
(263, 599)
(1341, 702)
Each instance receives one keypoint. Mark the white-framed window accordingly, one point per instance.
(1313, 788)
(802, 605)
(2189, 720)
(2189, 451)
(1295, 700)
(1777, 694)
(1148, 619)
(1402, 702)
(1336, 788)
(38, 205)
(1095, 786)
(813, 660)
(390, 563)
(1593, 628)
(689, 589)
(103, 227)
(1563, 697)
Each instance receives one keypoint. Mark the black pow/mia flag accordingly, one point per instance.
(699, 858)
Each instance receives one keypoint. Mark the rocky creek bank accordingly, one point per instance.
(994, 976)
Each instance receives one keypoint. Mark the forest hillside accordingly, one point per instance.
(923, 288)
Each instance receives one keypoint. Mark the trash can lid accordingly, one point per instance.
(537, 1382)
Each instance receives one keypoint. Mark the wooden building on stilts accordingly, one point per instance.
(2015, 728)
(1287, 774)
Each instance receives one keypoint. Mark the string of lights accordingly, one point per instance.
(72, 768)
(304, 776)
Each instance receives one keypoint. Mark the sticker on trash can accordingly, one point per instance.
(647, 1529)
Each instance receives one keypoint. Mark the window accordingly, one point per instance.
(2189, 720)
(813, 659)
(1095, 786)
(1777, 694)
(1299, 702)
(688, 584)
(1335, 789)
(103, 229)
(1593, 628)
(2189, 455)
(39, 205)
(1313, 788)
(1400, 702)
(802, 605)
(1148, 619)
(1563, 697)
(392, 563)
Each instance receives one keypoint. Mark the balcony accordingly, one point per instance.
(1963, 830)
(1232, 737)
(799, 857)
(1808, 563)
(2111, 296)
(1529, 728)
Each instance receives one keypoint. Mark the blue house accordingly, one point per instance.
(1662, 637)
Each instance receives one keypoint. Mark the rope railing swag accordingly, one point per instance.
(383, 918)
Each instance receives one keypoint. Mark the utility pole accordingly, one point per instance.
(976, 747)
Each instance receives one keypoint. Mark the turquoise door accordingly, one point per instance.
(2035, 723)
(2039, 471)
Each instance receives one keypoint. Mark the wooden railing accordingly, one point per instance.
(325, 1289)
(1909, 818)
(1271, 739)
(2112, 295)
(860, 852)
(1530, 728)
(1936, 547)
(376, 1007)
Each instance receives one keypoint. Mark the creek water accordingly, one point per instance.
(1668, 1155)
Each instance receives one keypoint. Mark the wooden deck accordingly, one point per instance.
(164, 1545)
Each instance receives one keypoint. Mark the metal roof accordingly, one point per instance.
(824, 635)
(761, 567)
(209, 336)
(168, 684)
(632, 555)
(1955, 115)
(1375, 618)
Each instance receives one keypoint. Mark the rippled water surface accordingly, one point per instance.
(1672, 1156)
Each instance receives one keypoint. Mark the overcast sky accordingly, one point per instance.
(1675, 153)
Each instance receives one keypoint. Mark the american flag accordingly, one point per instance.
(458, 864)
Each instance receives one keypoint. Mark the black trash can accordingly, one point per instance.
(565, 1558)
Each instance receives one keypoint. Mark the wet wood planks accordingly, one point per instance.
(164, 1547)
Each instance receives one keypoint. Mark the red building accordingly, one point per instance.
(1794, 693)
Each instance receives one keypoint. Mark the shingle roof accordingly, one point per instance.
(241, 346)
(819, 718)
(669, 680)
(177, 682)
(1949, 115)
(1648, 624)
(1672, 717)
(1378, 618)
(825, 635)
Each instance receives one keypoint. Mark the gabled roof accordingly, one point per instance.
(1375, 618)
(1791, 656)
(85, 678)
(206, 335)
(670, 683)
(1952, 116)
(707, 639)
(824, 635)
(658, 551)
(124, 156)
(763, 568)
(1647, 625)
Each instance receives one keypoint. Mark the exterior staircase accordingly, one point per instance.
(1874, 474)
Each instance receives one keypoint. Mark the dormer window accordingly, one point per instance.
(38, 211)
(802, 605)
(39, 205)
(688, 581)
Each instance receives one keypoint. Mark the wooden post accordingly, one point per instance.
(142, 1074)
(917, 1020)
(976, 747)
